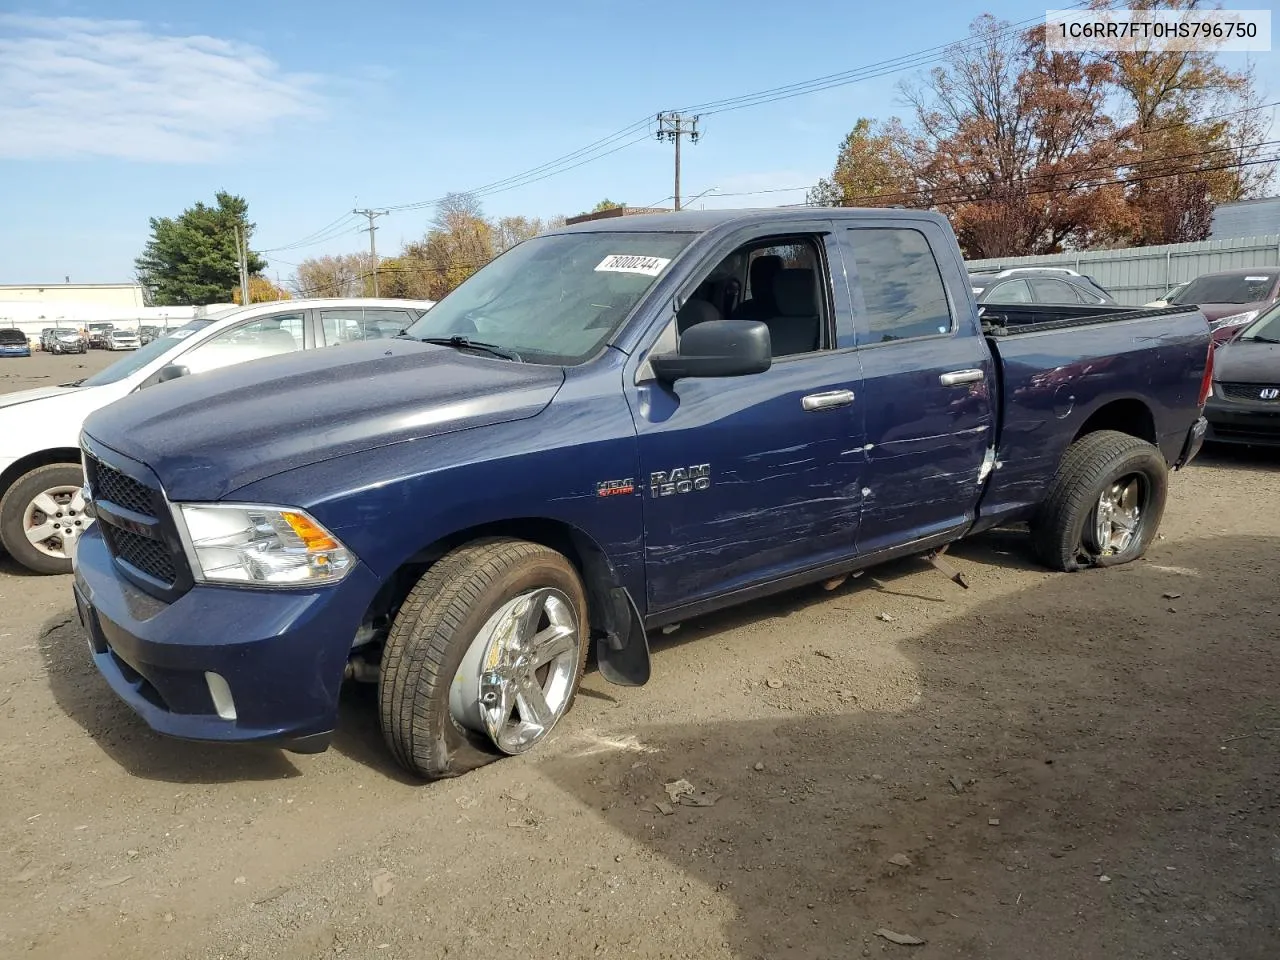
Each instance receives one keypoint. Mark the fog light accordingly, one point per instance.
(221, 693)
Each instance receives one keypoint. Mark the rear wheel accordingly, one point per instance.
(484, 657)
(42, 516)
(1105, 503)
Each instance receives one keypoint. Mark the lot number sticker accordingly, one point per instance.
(627, 263)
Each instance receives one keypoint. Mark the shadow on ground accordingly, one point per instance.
(1093, 726)
(84, 696)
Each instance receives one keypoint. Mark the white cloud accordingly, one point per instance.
(73, 87)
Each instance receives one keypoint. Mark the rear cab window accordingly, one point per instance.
(898, 292)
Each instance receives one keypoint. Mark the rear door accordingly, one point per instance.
(926, 391)
(748, 479)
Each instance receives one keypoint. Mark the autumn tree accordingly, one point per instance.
(871, 168)
(1192, 130)
(607, 204)
(192, 258)
(508, 231)
(343, 275)
(262, 290)
(1014, 143)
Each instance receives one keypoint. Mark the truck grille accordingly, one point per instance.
(149, 556)
(1251, 392)
(123, 491)
(137, 528)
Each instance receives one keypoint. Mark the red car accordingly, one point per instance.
(1231, 299)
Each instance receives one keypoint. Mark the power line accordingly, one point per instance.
(308, 240)
(870, 71)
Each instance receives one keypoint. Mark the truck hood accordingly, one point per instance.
(1247, 361)
(208, 435)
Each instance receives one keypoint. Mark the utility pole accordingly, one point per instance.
(373, 247)
(242, 256)
(672, 125)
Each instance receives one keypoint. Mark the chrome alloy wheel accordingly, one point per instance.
(516, 679)
(54, 520)
(1117, 519)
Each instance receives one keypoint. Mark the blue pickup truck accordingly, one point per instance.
(610, 428)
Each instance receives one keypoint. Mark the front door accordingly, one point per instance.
(747, 479)
(927, 384)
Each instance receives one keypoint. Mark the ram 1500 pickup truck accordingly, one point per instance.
(610, 428)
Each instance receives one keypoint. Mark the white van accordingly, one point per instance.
(41, 503)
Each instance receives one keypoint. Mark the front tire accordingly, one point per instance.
(1104, 504)
(42, 515)
(484, 658)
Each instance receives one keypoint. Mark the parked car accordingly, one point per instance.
(98, 335)
(148, 333)
(1231, 298)
(1037, 285)
(123, 340)
(1166, 298)
(40, 428)
(44, 337)
(1244, 407)
(66, 340)
(433, 511)
(14, 343)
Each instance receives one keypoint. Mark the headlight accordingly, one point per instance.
(1235, 320)
(252, 543)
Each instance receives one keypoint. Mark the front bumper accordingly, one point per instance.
(281, 653)
(1242, 422)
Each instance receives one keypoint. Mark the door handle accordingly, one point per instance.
(825, 401)
(959, 377)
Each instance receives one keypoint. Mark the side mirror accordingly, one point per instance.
(171, 371)
(717, 348)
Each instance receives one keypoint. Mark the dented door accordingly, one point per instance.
(927, 383)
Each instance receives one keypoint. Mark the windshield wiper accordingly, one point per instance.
(466, 343)
(1261, 339)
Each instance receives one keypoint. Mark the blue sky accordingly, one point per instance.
(112, 112)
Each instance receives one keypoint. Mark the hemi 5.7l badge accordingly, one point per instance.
(615, 488)
(667, 483)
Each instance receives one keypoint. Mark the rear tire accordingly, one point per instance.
(1104, 504)
(430, 697)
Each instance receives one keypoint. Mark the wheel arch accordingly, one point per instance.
(1124, 415)
(622, 648)
(33, 461)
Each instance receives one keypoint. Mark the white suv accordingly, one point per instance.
(41, 504)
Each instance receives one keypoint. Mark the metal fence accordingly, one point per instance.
(1137, 275)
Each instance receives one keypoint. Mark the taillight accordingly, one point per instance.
(1206, 383)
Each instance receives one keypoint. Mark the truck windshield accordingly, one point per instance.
(143, 355)
(556, 298)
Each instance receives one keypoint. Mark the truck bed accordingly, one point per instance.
(1061, 369)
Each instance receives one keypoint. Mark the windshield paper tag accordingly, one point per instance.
(626, 263)
(1246, 279)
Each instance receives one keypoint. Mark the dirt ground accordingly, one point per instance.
(1062, 766)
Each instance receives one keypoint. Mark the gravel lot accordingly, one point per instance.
(1061, 766)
